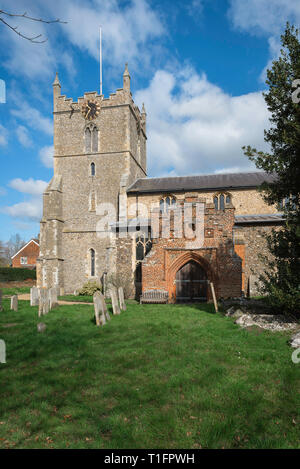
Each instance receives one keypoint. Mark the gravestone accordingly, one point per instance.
(41, 327)
(53, 298)
(43, 301)
(114, 301)
(1, 306)
(121, 299)
(34, 296)
(104, 307)
(14, 302)
(98, 308)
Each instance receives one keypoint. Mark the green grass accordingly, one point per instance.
(157, 376)
(88, 299)
(81, 298)
(15, 290)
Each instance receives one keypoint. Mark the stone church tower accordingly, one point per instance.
(99, 151)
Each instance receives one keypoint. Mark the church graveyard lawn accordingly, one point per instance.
(87, 299)
(15, 290)
(156, 376)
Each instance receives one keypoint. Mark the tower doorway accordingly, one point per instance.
(191, 283)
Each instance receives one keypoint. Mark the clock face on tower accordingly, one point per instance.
(90, 109)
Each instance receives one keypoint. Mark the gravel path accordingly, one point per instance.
(26, 296)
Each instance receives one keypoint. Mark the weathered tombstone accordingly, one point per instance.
(1, 307)
(61, 291)
(114, 301)
(98, 307)
(121, 298)
(53, 298)
(14, 302)
(41, 327)
(43, 301)
(104, 307)
(34, 296)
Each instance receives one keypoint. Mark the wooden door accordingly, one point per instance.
(191, 283)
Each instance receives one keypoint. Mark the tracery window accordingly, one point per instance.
(167, 202)
(91, 139)
(143, 245)
(220, 200)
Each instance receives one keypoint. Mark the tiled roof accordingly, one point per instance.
(265, 218)
(201, 182)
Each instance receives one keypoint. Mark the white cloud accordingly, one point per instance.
(3, 135)
(32, 117)
(30, 186)
(46, 156)
(193, 126)
(128, 29)
(23, 136)
(31, 210)
(265, 17)
(28, 210)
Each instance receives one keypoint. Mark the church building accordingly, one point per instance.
(104, 219)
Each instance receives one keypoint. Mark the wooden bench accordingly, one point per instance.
(154, 296)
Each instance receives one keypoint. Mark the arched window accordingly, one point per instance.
(220, 200)
(92, 260)
(87, 140)
(91, 139)
(93, 169)
(166, 203)
(222, 204)
(95, 140)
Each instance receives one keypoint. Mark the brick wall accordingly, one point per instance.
(216, 255)
(31, 251)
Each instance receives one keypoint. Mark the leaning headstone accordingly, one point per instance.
(53, 298)
(14, 302)
(103, 306)
(114, 301)
(34, 296)
(41, 327)
(43, 301)
(1, 307)
(121, 299)
(98, 307)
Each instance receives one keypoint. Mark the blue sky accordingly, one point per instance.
(198, 65)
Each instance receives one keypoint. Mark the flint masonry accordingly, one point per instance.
(100, 158)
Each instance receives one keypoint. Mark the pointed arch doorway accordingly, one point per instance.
(191, 283)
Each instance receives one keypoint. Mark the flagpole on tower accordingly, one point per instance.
(100, 60)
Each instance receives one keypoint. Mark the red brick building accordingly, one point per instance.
(26, 257)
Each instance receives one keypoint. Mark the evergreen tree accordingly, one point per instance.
(281, 282)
